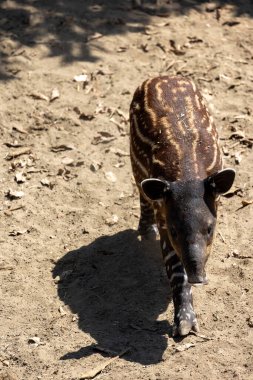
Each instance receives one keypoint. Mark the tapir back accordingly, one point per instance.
(172, 135)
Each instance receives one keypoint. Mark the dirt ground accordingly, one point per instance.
(77, 285)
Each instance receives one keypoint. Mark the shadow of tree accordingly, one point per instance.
(69, 27)
(118, 287)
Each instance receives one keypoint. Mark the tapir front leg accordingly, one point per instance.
(184, 315)
(147, 227)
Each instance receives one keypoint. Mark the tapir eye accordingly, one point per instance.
(210, 229)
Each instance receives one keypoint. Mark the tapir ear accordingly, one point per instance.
(221, 181)
(154, 188)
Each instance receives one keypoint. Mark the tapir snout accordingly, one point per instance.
(194, 259)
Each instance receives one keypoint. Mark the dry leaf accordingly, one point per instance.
(250, 321)
(62, 311)
(19, 177)
(103, 138)
(151, 31)
(6, 267)
(39, 96)
(67, 161)
(34, 340)
(176, 49)
(112, 220)
(61, 148)
(15, 144)
(18, 232)
(237, 135)
(110, 176)
(95, 166)
(85, 116)
(231, 23)
(94, 36)
(246, 202)
(19, 129)
(121, 49)
(55, 94)
(119, 152)
(184, 347)
(47, 183)
(120, 164)
(11, 194)
(18, 152)
(81, 78)
(238, 158)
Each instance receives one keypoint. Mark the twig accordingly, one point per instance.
(222, 237)
(95, 371)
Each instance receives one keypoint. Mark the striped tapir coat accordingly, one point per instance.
(177, 165)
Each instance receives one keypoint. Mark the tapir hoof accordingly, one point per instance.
(185, 327)
(148, 232)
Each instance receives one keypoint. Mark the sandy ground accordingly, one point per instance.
(77, 285)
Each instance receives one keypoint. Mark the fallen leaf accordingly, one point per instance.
(18, 152)
(19, 129)
(94, 36)
(6, 267)
(144, 48)
(110, 176)
(66, 174)
(61, 148)
(122, 49)
(237, 135)
(95, 166)
(81, 78)
(112, 220)
(250, 321)
(103, 137)
(231, 23)
(176, 49)
(151, 31)
(246, 202)
(19, 177)
(194, 40)
(184, 347)
(85, 116)
(15, 144)
(62, 311)
(39, 96)
(119, 152)
(238, 158)
(119, 164)
(34, 340)
(11, 194)
(67, 161)
(46, 182)
(18, 232)
(55, 94)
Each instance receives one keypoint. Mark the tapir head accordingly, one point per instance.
(190, 208)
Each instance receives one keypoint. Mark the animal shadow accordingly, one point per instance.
(118, 287)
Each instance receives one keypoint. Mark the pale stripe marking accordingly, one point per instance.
(138, 163)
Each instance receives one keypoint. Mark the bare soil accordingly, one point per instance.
(77, 285)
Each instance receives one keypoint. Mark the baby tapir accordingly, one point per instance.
(177, 166)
